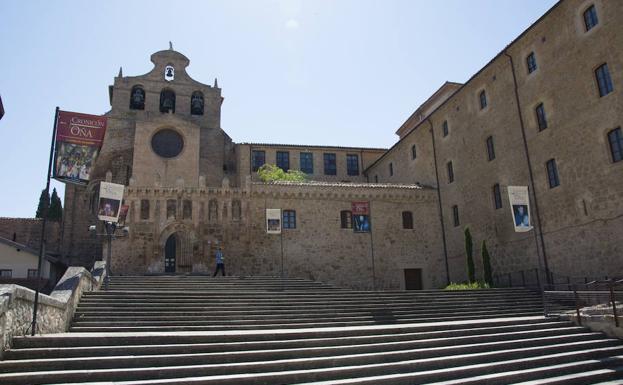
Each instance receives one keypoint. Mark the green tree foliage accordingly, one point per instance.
(469, 251)
(272, 173)
(56, 207)
(486, 265)
(44, 202)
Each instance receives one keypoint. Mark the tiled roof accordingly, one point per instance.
(344, 184)
(27, 249)
(313, 145)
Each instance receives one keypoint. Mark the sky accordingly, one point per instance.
(340, 72)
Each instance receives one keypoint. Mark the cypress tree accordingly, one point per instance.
(469, 251)
(486, 265)
(44, 201)
(56, 207)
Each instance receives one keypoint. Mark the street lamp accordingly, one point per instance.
(111, 228)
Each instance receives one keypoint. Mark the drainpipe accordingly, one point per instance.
(443, 226)
(525, 145)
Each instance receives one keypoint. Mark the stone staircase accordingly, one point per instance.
(201, 330)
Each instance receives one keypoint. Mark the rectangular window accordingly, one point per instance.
(144, 209)
(444, 127)
(497, 196)
(391, 169)
(32, 273)
(483, 99)
(289, 219)
(346, 219)
(329, 164)
(352, 164)
(455, 215)
(603, 80)
(590, 17)
(376, 179)
(615, 138)
(6, 273)
(490, 149)
(413, 152)
(171, 208)
(552, 173)
(283, 160)
(307, 162)
(450, 172)
(407, 220)
(258, 159)
(540, 117)
(531, 61)
(187, 209)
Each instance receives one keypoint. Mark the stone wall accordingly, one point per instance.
(27, 231)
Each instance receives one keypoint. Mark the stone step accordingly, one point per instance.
(609, 375)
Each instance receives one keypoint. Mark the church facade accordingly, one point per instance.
(545, 113)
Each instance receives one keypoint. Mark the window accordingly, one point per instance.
(407, 220)
(307, 162)
(6, 273)
(167, 143)
(450, 172)
(137, 98)
(540, 117)
(615, 138)
(490, 149)
(187, 209)
(167, 101)
(376, 179)
(413, 152)
(329, 164)
(346, 219)
(552, 173)
(196, 103)
(497, 196)
(171, 208)
(444, 127)
(32, 273)
(603, 80)
(391, 169)
(289, 219)
(531, 61)
(455, 215)
(258, 159)
(352, 164)
(144, 209)
(283, 160)
(590, 18)
(483, 99)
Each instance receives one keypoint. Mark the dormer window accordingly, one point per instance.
(196, 103)
(167, 101)
(137, 98)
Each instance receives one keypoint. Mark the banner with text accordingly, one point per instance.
(361, 216)
(109, 205)
(79, 138)
(520, 208)
(273, 221)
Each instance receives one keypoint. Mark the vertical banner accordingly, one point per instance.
(520, 208)
(109, 205)
(361, 216)
(79, 138)
(273, 221)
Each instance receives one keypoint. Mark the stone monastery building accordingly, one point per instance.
(546, 113)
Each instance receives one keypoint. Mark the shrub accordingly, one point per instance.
(272, 173)
(467, 286)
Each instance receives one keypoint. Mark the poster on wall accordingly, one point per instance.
(109, 205)
(520, 208)
(361, 216)
(273, 221)
(79, 138)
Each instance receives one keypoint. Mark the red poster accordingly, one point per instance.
(79, 138)
(360, 208)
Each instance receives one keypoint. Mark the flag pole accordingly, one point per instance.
(46, 208)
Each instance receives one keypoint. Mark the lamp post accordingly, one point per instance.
(110, 228)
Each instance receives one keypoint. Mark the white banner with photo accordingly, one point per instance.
(520, 208)
(273, 221)
(109, 205)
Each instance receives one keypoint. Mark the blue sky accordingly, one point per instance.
(342, 72)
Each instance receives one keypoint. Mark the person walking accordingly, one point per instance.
(220, 265)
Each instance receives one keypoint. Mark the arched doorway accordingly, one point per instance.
(170, 249)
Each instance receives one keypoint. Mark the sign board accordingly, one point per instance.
(79, 138)
(273, 221)
(361, 216)
(109, 205)
(520, 208)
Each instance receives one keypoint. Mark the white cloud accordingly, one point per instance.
(292, 24)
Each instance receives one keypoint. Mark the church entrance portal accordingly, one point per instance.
(169, 254)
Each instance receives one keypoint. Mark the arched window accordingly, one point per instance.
(196, 103)
(407, 220)
(213, 211)
(137, 98)
(346, 219)
(167, 101)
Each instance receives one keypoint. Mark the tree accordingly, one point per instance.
(486, 264)
(56, 207)
(469, 251)
(272, 173)
(44, 202)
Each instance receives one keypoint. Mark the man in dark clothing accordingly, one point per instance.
(220, 265)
